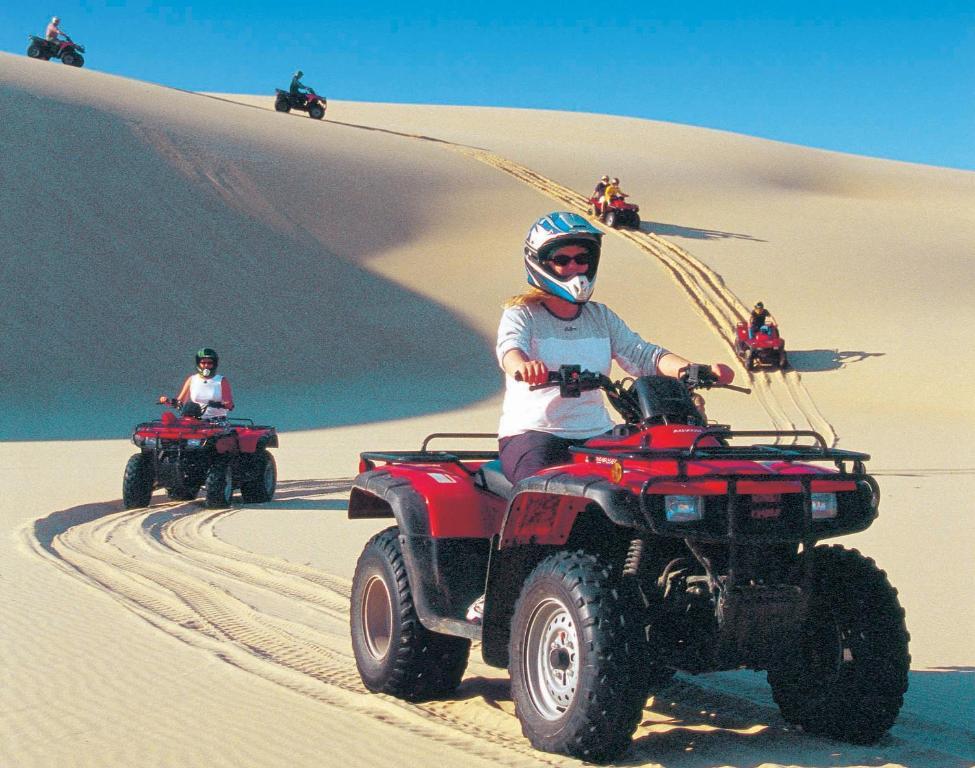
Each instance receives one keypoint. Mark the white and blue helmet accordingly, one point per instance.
(550, 233)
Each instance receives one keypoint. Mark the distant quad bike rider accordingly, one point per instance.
(299, 89)
(759, 320)
(600, 188)
(53, 32)
(612, 190)
(556, 324)
(206, 387)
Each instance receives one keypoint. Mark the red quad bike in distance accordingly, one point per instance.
(620, 213)
(766, 348)
(182, 453)
(312, 103)
(662, 546)
(67, 50)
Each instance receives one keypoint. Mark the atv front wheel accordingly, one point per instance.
(635, 221)
(260, 488)
(316, 111)
(69, 59)
(847, 678)
(576, 653)
(137, 481)
(394, 652)
(783, 360)
(750, 359)
(219, 484)
(610, 219)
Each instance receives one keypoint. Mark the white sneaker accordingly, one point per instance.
(476, 612)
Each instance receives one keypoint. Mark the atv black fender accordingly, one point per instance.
(542, 516)
(446, 574)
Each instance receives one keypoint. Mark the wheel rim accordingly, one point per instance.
(377, 617)
(551, 659)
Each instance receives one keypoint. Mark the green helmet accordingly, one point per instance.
(206, 353)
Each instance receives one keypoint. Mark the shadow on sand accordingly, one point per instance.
(690, 725)
(827, 359)
(693, 233)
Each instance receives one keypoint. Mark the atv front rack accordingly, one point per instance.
(697, 452)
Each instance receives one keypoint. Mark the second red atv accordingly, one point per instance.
(619, 213)
(182, 453)
(765, 347)
(663, 546)
(312, 103)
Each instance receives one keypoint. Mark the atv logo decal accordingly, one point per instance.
(440, 477)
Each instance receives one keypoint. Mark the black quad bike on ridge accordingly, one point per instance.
(663, 546)
(186, 452)
(67, 50)
(312, 103)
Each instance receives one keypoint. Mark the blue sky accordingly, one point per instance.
(887, 79)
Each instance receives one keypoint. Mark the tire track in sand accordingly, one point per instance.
(781, 393)
(163, 564)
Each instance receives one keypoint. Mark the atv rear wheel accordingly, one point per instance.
(137, 481)
(34, 51)
(316, 111)
(394, 652)
(281, 105)
(848, 677)
(260, 488)
(219, 484)
(576, 651)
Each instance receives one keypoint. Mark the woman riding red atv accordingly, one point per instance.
(205, 387)
(556, 324)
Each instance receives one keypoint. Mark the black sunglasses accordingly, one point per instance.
(562, 260)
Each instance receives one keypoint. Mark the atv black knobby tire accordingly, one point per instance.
(79, 61)
(137, 481)
(848, 677)
(219, 484)
(635, 221)
(576, 651)
(281, 105)
(394, 652)
(35, 52)
(69, 59)
(260, 488)
(316, 111)
(783, 360)
(750, 359)
(611, 219)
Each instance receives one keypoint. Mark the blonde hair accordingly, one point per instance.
(531, 296)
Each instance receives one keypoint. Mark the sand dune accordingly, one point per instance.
(351, 274)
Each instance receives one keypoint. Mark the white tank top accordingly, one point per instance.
(202, 391)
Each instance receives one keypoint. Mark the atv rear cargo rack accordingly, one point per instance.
(434, 457)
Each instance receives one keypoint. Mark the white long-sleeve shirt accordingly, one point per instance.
(592, 340)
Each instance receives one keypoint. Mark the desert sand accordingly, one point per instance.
(351, 272)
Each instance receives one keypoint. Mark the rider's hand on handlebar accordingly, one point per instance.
(532, 372)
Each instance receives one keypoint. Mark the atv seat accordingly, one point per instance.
(491, 478)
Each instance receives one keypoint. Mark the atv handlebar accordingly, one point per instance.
(572, 381)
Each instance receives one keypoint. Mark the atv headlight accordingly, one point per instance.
(194, 442)
(824, 506)
(683, 509)
(150, 441)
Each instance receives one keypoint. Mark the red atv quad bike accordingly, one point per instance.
(182, 453)
(312, 103)
(67, 50)
(619, 214)
(767, 347)
(662, 546)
